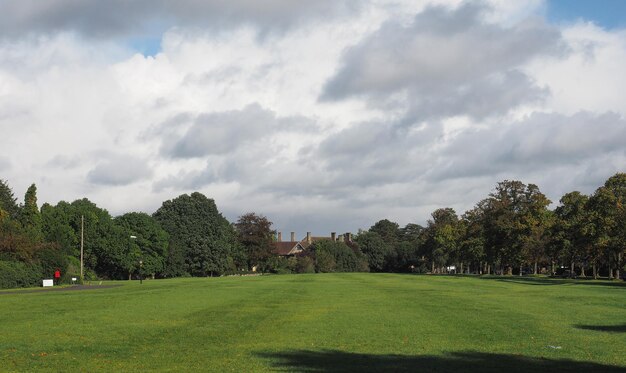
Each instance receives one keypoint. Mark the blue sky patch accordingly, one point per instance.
(609, 14)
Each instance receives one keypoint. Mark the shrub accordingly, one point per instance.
(305, 264)
(19, 275)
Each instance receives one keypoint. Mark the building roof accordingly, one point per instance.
(284, 247)
(294, 247)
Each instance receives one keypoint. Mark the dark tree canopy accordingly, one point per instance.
(256, 236)
(375, 249)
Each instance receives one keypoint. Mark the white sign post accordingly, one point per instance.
(47, 283)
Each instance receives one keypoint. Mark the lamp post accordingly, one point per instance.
(140, 271)
(131, 250)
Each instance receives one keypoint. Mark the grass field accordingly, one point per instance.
(321, 322)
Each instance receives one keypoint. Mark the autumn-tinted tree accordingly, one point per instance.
(255, 234)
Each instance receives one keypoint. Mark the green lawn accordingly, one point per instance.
(321, 322)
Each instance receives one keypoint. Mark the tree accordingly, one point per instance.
(374, 248)
(570, 231)
(199, 236)
(442, 237)
(30, 216)
(151, 241)
(472, 242)
(390, 233)
(608, 208)
(8, 202)
(335, 256)
(255, 234)
(56, 226)
(515, 217)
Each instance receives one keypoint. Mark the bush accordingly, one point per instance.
(19, 275)
(280, 265)
(50, 259)
(305, 264)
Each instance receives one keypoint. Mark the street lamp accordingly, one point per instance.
(134, 238)
(140, 271)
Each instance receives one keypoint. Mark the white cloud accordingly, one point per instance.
(119, 170)
(428, 109)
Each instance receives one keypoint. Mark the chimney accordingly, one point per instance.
(341, 238)
(280, 236)
(308, 237)
(348, 237)
(293, 236)
(333, 236)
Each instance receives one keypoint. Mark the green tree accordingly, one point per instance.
(472, 244)
(30, 217)
(255, 234)
(442, 238)
(8, 202)
(199, 235)
(608, 208)
(375, 249)
(391, 233)
(57, 227)
(336, 256)
(151, 241)
(570, 231)
(515, 216)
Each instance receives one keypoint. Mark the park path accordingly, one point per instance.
(67, 288)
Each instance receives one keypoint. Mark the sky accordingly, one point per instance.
(323, 116)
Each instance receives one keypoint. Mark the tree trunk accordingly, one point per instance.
(582, 270)
(432, 267)
(595, 271)
(468, 269)
(130, 276)
(571, 273)
(461, 268)
(553, 270)
(509, 271)
(535, 270)
(619, 265)
(488, 269)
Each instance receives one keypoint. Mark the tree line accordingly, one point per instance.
(512, 231)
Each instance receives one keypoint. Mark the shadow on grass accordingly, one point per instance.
(547, 281)
(604, 328)
(339, 361)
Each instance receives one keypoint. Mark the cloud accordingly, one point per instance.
(335, 117)
(539, 142)
(224, 132)
(5, 163)
(446, 62)
(103, 19)
(119, 170)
